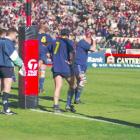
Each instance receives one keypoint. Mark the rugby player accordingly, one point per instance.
(80, 65)
(44, 41)
(62, 54)
(8, 58)
(2, 35)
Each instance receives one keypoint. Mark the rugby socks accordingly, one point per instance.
(56, 106)
(78, 94)
(57, 109)
(41, 83)
(5, 103)
(41, 79)
(14, 78)
(70, 96)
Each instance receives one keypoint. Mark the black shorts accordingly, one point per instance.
(6, 72)
(64, 75)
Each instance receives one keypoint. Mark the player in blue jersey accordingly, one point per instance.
(72, 87)
(8, 59)
(2, 35)
(44, 41)
(80, 65)
(62, 54)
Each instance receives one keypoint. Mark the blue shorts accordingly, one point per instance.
(44, 59)
(72, 70)
(42, 54)
(79, 69)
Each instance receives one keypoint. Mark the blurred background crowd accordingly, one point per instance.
(104, 18)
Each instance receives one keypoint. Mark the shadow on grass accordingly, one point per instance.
(48, 109)
(116, 121)
(14, 88)
(12, 104)
(14, 96)
(49, 98)
(15, 104)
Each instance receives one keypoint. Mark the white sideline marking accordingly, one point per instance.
(75, 116)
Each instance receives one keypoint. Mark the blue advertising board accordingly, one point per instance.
(99, 60)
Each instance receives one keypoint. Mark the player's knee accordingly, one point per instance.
(72, 89)
(73, 86)
(82, 80)
(42, 73)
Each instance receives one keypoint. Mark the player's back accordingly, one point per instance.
(44, 39)
(6, 49)
(82, 49)
(61, 49)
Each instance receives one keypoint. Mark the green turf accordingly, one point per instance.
(109, 94)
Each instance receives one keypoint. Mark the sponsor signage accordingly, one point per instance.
(108, 60)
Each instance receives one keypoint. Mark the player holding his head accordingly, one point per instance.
(8, 59)
(62, 55)
(44, 41)
(80, 65)
(83, 47)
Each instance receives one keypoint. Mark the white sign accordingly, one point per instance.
(32, 68)
(132, 51)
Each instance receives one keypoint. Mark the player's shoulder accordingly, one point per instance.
(71, 42)
(54, 40)
(80, 42)
(49, 38)
(1, 41)
(68, 40)
(44, 34)
(7, 44)
(8, 41)
(83, 42)
(41, 34)
(58, 39)
(83, 45)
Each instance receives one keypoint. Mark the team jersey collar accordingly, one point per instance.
(63, 37)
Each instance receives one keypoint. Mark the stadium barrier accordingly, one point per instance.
(109, 60)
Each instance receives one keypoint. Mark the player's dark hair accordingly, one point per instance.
(11, 30)
(65, 32)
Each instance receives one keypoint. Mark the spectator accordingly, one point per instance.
(120, 18)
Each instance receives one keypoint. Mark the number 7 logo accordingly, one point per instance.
(57, 47)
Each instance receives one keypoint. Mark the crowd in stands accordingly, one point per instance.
(104, 18)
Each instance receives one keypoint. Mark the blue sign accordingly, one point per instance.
(99, 60)
(95, 59)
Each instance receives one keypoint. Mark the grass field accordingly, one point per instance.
(111, 95)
